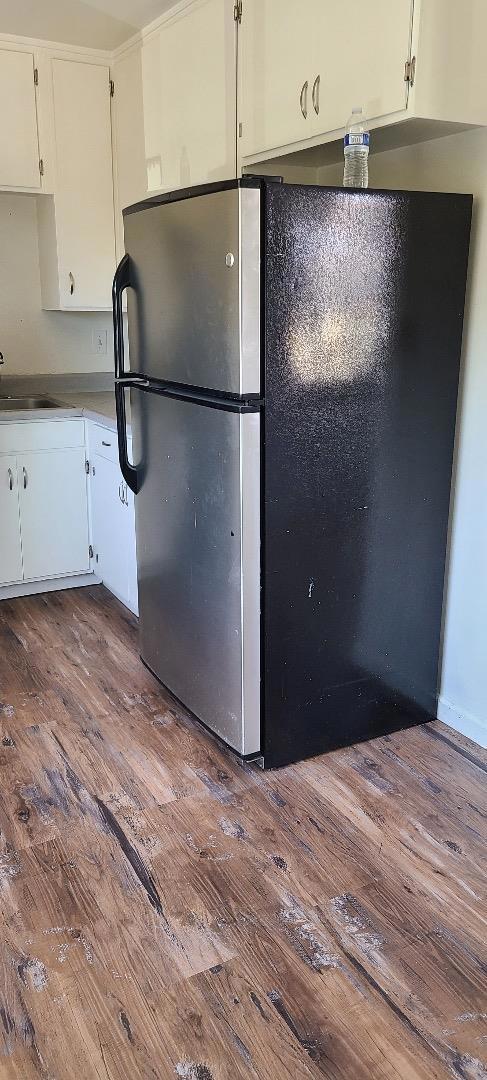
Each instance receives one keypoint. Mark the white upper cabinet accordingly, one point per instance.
(128, 136)
(189, 97)
(128, 122)
(450, 81)
(76, 225)
(19, 145)
(303, 66)
(276, 52)
(361, 50)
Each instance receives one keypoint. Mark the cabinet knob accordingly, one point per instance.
(71, 283)
(303, 99)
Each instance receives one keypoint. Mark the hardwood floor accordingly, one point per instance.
(166, 912)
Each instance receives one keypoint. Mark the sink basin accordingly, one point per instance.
(13, 404)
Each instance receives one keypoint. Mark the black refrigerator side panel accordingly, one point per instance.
(364, 299)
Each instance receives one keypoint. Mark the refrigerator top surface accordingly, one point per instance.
(194, 297)
(261, 182)
(180, 194)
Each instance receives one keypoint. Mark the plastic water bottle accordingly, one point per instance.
(356, 151)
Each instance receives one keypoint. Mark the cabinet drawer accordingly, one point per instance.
(41, 435)
(104, 442)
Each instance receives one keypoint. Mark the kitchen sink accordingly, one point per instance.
(19, 404)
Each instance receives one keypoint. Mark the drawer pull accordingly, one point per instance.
(10, 479)
(103, 443)
(24, 474)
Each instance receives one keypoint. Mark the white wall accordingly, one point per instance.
(459, 163)
(34, 341)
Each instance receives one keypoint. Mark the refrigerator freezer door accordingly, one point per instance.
(198, 550)
(194, 304)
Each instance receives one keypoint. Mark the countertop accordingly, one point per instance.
(97, 405)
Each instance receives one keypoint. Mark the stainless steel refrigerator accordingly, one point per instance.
(294, 356)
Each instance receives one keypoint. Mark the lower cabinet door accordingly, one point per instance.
(10, 546)
(110, 521)
(54, 513)
(133, 591)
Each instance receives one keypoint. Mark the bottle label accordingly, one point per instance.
(357, 140)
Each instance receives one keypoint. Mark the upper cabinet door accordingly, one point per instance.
(84, 184)
(128, 112)
(361, 50)
(128, 137)
(189, 83)
(277, 55)
(19, 146)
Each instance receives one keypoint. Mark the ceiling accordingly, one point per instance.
(97, 24)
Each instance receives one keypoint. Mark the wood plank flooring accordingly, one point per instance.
(166, 912)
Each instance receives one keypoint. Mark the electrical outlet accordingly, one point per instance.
(99, 342)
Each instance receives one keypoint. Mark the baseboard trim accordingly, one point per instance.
(464, 722)
(32, 588)
(122, 599)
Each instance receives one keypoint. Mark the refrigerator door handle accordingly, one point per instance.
(121, 282)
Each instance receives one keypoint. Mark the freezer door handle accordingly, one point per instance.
(121, 282)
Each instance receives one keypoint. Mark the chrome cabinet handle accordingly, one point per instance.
(303, 99)
(10, 479)
(123, 493)
(315, 94)
(71, 283)
(25, 477)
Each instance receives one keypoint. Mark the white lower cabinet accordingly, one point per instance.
(112, 520)
(43, 501)
(10, 544)
(45, 529)
(53, 513)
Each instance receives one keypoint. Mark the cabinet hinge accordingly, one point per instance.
(90, 551)
(237, 11)
(36, 77)
(410, 70)
(87, 468)
(41, 167)
(111, 87)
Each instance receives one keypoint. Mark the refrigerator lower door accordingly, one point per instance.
(198, 552)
